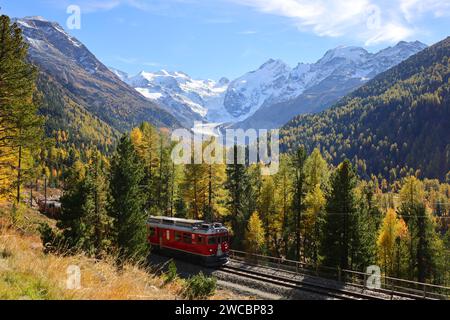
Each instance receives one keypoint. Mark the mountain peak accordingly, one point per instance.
(411, 44)
(352, 53)
(273, 63)
(402, 50)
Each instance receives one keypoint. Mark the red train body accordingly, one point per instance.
(195, 240)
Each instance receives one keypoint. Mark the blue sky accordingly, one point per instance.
(215, 38)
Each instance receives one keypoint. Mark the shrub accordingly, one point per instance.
(172, 273)
(199, 287)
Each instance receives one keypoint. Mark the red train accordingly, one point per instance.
(195, 240)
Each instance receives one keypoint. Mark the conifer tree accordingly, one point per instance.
(425, 246)
(339, 220)
(128, 202)
(238, 187)
(283, 182)
(299, 191)
(195, 189)
(20, 126)
(316, 176)
(84, 222)
(255, 234)
(393, 231)
(268, 214)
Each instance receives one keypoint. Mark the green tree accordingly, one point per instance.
(21, 130)
(84, 221)
(339, 220)
(238, 186)
(128, 202)
(299, 191)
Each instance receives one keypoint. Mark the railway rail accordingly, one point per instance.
(341, 293)
(328, 281)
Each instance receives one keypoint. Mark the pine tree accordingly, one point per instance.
(425, 247)
(237, 185)
(339, 220)
(95, 207)
(85, 223)
(20, 127)
(299, 191)
(315, 202)
(128, 202)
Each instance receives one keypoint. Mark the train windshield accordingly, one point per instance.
(217, 239)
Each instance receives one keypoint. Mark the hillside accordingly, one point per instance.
(28, 273)
(397, 122)
(82, 88)
(64, 114)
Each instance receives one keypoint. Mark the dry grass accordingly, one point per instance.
(26, 272)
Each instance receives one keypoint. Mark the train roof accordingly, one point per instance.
(197, 226)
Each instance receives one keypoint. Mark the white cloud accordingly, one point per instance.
(373, 21)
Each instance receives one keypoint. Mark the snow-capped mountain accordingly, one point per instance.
(189, 99)
(336, 74)
(69, 65)
(274, 93)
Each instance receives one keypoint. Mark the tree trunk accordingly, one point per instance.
(19, 174)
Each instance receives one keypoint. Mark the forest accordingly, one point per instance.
(314, 210)
(394, 126)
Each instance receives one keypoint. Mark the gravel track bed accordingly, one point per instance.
(238, 284)
(298, 277)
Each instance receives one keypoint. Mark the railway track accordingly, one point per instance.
(338, 293)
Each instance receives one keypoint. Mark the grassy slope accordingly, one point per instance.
(27, 273)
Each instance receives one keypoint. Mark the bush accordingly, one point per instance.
(199, 287)
(51, 240)
(172, 273)
(17, 214)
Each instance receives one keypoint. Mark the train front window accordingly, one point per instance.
(152, 232)
(212, 240)
(200, 239)
(177, 236)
